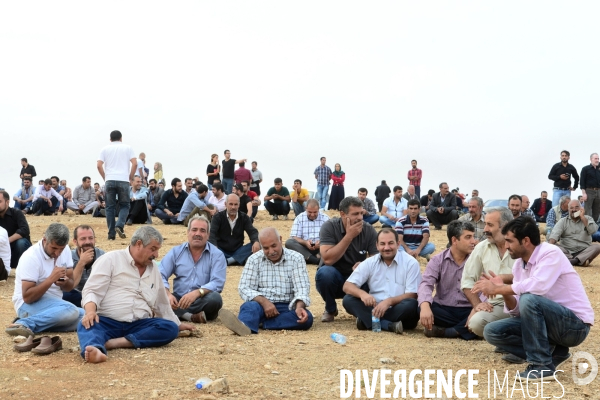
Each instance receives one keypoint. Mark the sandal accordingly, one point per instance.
(19, 330)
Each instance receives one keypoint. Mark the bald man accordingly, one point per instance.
(275, 289)
(227, 232)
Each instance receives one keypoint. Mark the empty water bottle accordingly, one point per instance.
(202, 382)
(376, 324)
(338, 338)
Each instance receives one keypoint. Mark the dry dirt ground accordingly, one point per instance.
(294, 365)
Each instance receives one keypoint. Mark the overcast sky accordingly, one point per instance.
(484, 95)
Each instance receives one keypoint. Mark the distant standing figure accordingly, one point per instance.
(242, 173)
(158, 173)
(414, 177)
(229, 171)
(323, 176)
(561, 175)
(337, 191)
(114, 167)
(590, 187)
(27, 170)
(257, 178)
(213, 170)
(382, 192)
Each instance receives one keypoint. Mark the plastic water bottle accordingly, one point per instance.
(338, 338)
(376, 324)
(202, 382)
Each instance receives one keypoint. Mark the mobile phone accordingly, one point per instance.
(62, 279)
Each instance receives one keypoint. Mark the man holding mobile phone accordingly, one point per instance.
(45, 270)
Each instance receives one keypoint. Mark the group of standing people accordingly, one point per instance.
(324, 175)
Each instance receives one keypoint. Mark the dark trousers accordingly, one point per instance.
(380, 204)
(42, 205)
(453, 317)
(252, 314)
(280, 208)
(592, 204)
(17, 248)
(542, 218)
(329, 282)
(73, 297)
(406, 311)
(138, 212)
(210, 304)
(241, 254)
(436, 219)
(3, 271)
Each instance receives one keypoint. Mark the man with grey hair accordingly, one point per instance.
(345, 242)
(489, 255)
(125, 301)
(590, 187)
(200, 271)
(275, 289)
(573, 235)
(476, 216)
(556, 213)
(45, 270)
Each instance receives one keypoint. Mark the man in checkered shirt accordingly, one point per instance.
(304, 237)
(275, 289)
(323, 177)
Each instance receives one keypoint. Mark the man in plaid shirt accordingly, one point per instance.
(414, 177)
(275, 289)
(323, 176)
(370, 212)
(304, 237)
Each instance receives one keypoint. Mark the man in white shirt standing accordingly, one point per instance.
(125, 302)
(114, 167)
(45, 270)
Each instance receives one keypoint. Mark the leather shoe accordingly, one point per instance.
(199, 318)
(329, 317)
(48, 345)
(435, 332)
(27, 345)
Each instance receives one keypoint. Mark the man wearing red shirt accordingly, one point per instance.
(242, 174)
(414, 177)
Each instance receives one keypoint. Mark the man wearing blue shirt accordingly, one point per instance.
(200, 269)
(138, 208)
(24, 197)
(196, 204)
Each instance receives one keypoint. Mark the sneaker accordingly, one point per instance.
(511, 358)
(120, 232)
(535, 373)
(499, 350)
(437, 331)
(360, 326)
(233, 323)
(285, 217)
(275, 217)
(111, 238)
(558, 360)
(199, 318)
(396, 327)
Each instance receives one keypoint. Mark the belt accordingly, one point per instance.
(592, 188)
(555, 188)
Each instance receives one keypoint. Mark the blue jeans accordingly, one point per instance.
(595, 237)
(428, 249)
(114, 190)
(557, 194)
(241, 254)
(73, 297)
(160, 214)
(18, 205)
(322, 194)
(50, 313)
(252, 314)
(386, 221)
(406, 311)
(329, 282)
(371, 219)
(147, 332)
(542, 325)
(227, 185)
(17, 248)
(299, 208)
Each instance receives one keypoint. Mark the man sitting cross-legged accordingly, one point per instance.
(442, 209)
(138, 206)
(548, 304)
(304, 237)
(45, 270)
(446, 313)
(413, 232)
(227, 232)
(200, 270)
(46, 199)
(171, 202)
(370, 212)
(393, 278)
(394, 208)
(573, 235)
(125, 302)
(275, 289)
(488, 255)
(84, 197)
(196, 204)
(24, 197)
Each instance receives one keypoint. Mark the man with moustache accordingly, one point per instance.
(393, 278)
(125, 302)
(545, 288)
(590, 187)
(24, 196)
(413, 232)
(200, 271)
(476, 216)
(275, 289)
(196, 204)
(219, 198)
(245, 201)
(345, 242)
(170, 204)
(445, 314)
(84, 197)
(154, 195)
(489, 255)
(541, 207)
(304, 237)
(138, 210)
(84, 255)
(556, 213)
(525, 210)
(410, 193)
(442, 209)
(370, 212)
(573, 235)
(227, 232)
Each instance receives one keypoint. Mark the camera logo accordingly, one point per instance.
(584, 363)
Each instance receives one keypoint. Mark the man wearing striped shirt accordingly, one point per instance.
(413, 232)
(304, 237)
(275, 289)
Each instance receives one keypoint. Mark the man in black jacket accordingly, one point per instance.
(442, 209)
(171, 202)
(17, 228)
(541, 207)
(382, 192)
(561, 175)
(227, 232)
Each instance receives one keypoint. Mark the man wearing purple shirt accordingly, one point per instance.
(545, 287)
(446, 313)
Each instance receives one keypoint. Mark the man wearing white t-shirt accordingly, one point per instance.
(45, 270)
(117, 164)
(4, 254)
